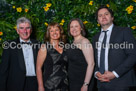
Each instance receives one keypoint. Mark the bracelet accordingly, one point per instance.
(85, 84)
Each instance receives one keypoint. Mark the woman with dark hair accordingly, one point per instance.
(52, 59)
(80, 58)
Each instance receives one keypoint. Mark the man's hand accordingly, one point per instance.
(109, 75)
(101, 77)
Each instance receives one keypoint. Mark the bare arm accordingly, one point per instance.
(89, 56)
(40, 60)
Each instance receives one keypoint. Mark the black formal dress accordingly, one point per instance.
(77, 67)
(55, 71)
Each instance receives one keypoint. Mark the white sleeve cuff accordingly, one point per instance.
(117, 76)
(95, 74)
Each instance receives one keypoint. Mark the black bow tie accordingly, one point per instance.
(28, 43)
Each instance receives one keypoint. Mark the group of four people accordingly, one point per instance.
(53, 67)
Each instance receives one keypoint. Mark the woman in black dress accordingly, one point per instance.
(53, 60)
(80, 58)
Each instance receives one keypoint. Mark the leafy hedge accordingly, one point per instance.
(42, 12)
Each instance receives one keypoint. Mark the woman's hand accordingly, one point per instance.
(84, 88)
(41, 88)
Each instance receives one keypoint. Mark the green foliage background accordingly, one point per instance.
(60, 9)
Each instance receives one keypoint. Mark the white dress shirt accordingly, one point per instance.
(28, 58)
(101, 37)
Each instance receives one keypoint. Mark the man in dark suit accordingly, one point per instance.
(115, 54)
(17, 69)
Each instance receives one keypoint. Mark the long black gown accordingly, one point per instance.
(55, 71)
(77, 66)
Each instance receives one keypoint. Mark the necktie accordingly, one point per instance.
(102, 55)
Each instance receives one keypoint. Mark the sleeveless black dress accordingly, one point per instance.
(55, 71)
(77, 66)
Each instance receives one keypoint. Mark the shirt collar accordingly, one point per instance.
(24, 41)
(109, 29)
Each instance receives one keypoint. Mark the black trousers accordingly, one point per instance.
(107, 88)
(133, 88)
(31, 84)
(113, 89)
(62, 89)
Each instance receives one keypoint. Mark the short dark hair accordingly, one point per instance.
(62, 35)
(101, 7)
(83, 33)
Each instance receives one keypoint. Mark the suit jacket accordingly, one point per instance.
(12, 67)
(121, 60)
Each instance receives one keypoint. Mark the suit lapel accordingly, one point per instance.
(96, 46)
(112, 39)
(34, 53)
(21, 58)
(113, 34)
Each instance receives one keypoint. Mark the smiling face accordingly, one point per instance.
(24, 31)
(54, 33)
(104, 17)
(75, 28)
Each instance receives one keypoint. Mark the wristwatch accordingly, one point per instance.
(85, 84)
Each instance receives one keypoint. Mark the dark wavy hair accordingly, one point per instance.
(101, 7)
(62, 35)
(83, 33)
